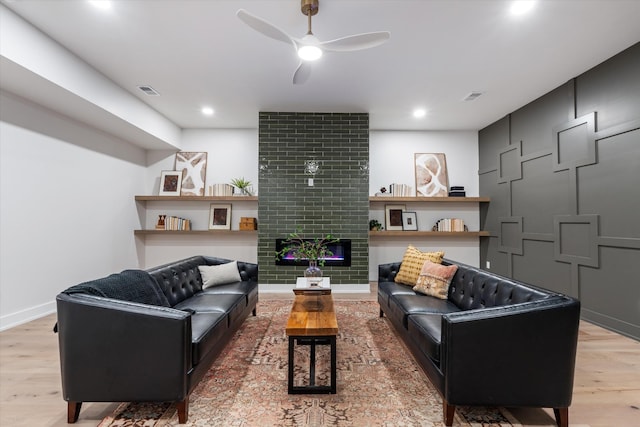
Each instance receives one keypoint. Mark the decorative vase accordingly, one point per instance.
(313, 274)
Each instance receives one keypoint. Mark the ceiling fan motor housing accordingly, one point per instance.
(309, 7)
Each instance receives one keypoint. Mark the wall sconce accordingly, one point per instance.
(363, 165)
(311, 167)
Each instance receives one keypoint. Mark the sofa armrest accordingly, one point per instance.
(519, 355)
(387, 272)
(113, 350)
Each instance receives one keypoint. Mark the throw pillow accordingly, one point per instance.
(412, 263)
(221, 274)
(434, 279)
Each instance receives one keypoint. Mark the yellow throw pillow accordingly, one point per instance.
(412, 263)
(434, 279)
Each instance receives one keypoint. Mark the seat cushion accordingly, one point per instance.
(425, 330)
(207, 329)
(386, 289)
(403, 305)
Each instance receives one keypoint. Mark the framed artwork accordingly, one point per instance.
(194, 169)
(170, 183)
(393, 217)
(220, 217)
(431, 175)
(409, 221)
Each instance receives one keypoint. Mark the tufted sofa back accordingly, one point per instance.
(181, 279)
(472, 288)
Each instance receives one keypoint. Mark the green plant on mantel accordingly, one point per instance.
(374, 225)
(244, 185)
(301, 248)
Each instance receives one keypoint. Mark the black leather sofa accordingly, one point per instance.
(493, 342)
(148, 335)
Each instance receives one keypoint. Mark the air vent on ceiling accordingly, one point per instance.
(472, 96)
(149, 90)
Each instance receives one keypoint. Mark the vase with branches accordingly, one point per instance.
(315, 250)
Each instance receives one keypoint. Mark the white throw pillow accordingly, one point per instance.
(221, 274)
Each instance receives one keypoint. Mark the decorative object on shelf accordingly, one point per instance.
(393, 216)
(450, 224)
(382, 191)
(220, 217)
(176, 223)
(160, 224)
(170, 183)
(374, 225)
(248, 223)
(431, 174)
(314, 250)
(244, 185)
(400, 190)
(409, 221)
(457, 192)
(193, 166)
(223, 190)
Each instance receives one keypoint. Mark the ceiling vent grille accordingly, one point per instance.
(148, 90)
(472, 96)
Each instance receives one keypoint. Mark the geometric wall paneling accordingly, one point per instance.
(494, 137)
(611, 187)
(510, 237)
(509, 167)
(574, 143)
(576, 239)
(602, 294)
(545, 271)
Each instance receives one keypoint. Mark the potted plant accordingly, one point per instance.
(243, 185)
(374, 225)
(315, 250)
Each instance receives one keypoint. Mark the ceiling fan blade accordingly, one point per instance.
(356, 42)
(264, 27)
(302, 73)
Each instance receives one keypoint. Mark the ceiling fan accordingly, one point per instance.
(309, 48)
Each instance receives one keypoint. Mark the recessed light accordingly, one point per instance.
(419, 113)
(520, 7)
(101, 4)
(207, 111)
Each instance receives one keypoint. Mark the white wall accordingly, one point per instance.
(232, 153)
(66, 206)
(391, 161)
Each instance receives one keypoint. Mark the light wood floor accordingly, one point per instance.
(606, 391)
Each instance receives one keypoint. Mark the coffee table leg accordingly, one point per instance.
(312, 363)
(291, 344)
(333, 364)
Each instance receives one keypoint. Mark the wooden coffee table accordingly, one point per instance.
(312, 322)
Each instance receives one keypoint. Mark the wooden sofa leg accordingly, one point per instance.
(448, 411)
(73, 411)
(183, 410)
(562, 416)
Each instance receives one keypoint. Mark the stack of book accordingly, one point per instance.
(221, 190)
(400, 190)
(457, 192)
(175, 223)
(450, 224)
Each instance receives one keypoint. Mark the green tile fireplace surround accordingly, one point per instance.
(336, 203)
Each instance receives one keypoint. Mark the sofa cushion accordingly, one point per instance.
(403, 305)
(207, 330)
(412, 263)
(386, 289)
(221, 274)
(434, 279)
(425, 330)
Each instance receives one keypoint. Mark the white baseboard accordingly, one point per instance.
(18, 318)
(279, 288)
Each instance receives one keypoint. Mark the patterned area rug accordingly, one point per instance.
(379, 384)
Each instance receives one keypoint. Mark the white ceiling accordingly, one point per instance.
(197, 52)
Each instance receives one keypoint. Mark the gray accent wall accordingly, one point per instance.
(563, 174)
(338, 201)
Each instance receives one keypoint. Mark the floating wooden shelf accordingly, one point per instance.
(387, 199)
(196, 198)
(191, 232)
(428, 233)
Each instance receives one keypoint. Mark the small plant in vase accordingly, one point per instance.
(374, 225)
(243, 185)
(315, 250)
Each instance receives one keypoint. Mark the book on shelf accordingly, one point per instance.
(174, 223)
(450, 224)
(221, 190)
(400, 190)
